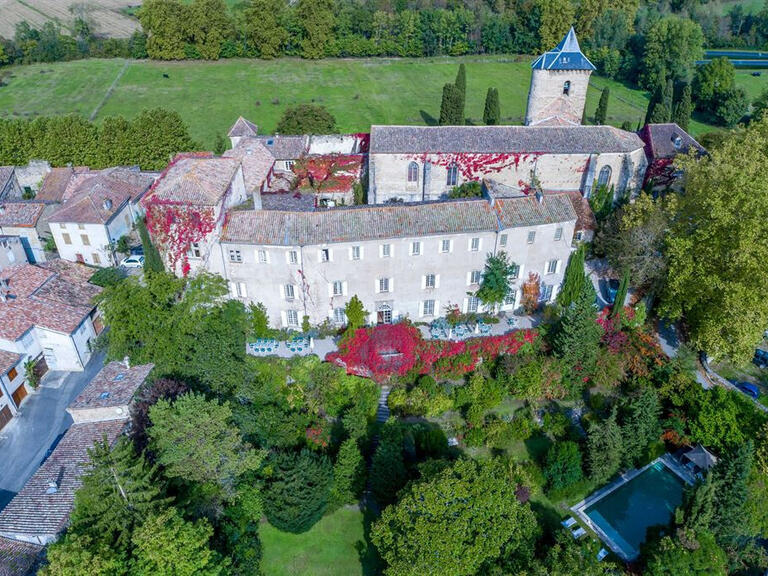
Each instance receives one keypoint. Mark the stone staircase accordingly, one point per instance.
(382, 412)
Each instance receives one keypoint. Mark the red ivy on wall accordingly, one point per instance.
(473, 166)
(329, 173)
(661, 172)
(399, 349)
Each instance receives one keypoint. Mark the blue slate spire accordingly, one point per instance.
(566, 56)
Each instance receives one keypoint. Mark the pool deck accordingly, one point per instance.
(580, 509)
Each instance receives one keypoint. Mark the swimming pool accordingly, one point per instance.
(624, 514)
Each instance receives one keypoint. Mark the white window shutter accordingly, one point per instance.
(362, 252)
(330, 289)
(283, 318)
(330, 254)
(391, 284)
(376, 285)
(344, 288)
(381, 250)
(466, 305)
(232, 290)
(423, 282)
(557, 266)
(422, 308)
(480, 245)
(349, 250)
(437, 307)
(469, 278)
(437, 280)
(243, 290)
(520, 275)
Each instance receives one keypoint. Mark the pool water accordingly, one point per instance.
(649, 499)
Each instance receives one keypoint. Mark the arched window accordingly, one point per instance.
(567, 87)
(452, 176)
(605, 176)
(413, 172)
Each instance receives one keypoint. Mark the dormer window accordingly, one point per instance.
(566, 87)
(677, 142)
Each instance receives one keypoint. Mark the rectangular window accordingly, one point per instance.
(325, 255)
(339, 316)
(445, 246)
(293, 257)
(551, 266)
(338, 288)
(262, 256)
(235, 256)
(474, 245)
(194, 250)
(383, 284)
(514, 272)
(475, 276)
(503, 240)
(428, 308)
(472, 303)
(67, 238)
(81, 226)
(62, 226)
(96, 258)
(546, 292)
(415, 248)
(241, 291)
(386, 250)
(355, 252)
(531, 237)
(12, 374)
(85, 239)
(429, 281)
(452, 175)
(558, 234)
(579, 236)
(289, 164)
(290, 292)
(292, 318)
(511, 297)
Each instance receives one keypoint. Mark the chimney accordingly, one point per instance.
(127, 362)
(107, 204)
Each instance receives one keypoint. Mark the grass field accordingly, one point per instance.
(211, 95)
(335, 545)
(107, 17)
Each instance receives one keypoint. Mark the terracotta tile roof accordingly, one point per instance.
(35, 511)
(98, 196)
(54, 295)
(18, 558)
(7, 361)
(530, 211)
(285, 147)
(201, 181)
(585, 218)
(20, 214)
(256, 161)
(502, 139)
(667, 141)
(54, 185)
(243, 128)
(114, 385)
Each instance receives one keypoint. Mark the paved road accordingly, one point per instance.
(40, 423)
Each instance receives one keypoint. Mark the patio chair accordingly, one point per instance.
(602, 554)
(578, 533)
(568, 522)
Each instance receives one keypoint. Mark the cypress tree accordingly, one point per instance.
(683, 108)
(668, 94)
(731, 479)
(604, 449)
(577, 338)
(660, 114)
(656, 98)
(640, 425)
(492, 112)
(602, 107)
(574, 278)
(621, 294)
(461, 86)
(348, 474)
(152, 260)
(451, 109)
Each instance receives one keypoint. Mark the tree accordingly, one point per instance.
(640, 425)
(668, 94)
(148, 395)
(672, 46)
(356, 314)
(195, 442)
(451, 111)
(209, 23)
(681, 114)
(461, 86)
(531, 293)
(562, 465)
(316, 19)
(621, 295)
(711, 81)
(760, 105)
(731, 476)
(306, 119)
(494, 284)
(348, 474)
(601, 114)
(388, 474)
(604, 449)
(601, 201)
(566, 557)
(761, 449)
(165, 22)
(659, 114)
(574, 278)
(264, 27)
(76, 555)
(466, 515)
(578, 334)
(152, 260)
(157, 135)
(492, 111)
(720, 220)
(696, 554)
(556, 17)
(167, 545)
(656, 99)
(297, 491)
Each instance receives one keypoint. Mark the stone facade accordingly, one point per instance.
(557, 96)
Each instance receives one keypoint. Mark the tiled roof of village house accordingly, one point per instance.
(114, 385)
(200, 181)
(33, 511)
(285, 147)
(668, 140)
(502, 140)
(86, 201)
(7, 361)
(256, 161)
(18, 558)
(243, 128)
(585, 218)
(280, 228)
(20, 214)
(54, 185)
(54, 295)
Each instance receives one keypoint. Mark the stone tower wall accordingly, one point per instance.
(546, 99)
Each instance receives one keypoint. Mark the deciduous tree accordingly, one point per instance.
(494, 284)
(306, 119)
(672, 46)
(264, 27)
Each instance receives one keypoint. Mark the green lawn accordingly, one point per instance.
(335, 545)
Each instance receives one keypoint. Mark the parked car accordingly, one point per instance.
(749, 389)
(133, 262)
(761, 358)
(611, 289)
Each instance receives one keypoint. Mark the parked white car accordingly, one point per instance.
(133, 262)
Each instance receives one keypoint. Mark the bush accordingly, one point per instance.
(562, 466)
(306, 119)
(556, 424)
(107, 277)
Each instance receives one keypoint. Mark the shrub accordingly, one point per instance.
(562, 466)
(107, 277)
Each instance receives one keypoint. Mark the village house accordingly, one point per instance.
(20, 219)
(11, 251)
(41, 509)
(9, 185)
(663, 142)
(101, 208)
(47, 314)
(13, 387)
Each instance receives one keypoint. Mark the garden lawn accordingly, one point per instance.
(211, 95)
(335, 545)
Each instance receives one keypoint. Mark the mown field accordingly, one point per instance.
(211, 95)
(108, 17)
